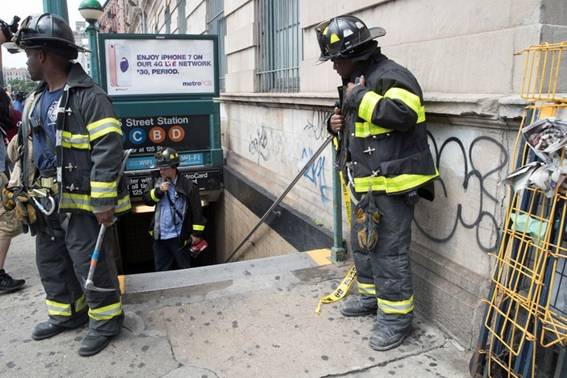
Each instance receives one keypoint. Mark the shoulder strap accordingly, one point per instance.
(60, 127)
(23, 134)
(175, 212)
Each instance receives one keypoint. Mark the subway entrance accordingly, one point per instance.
(159, 112)
(136, 243)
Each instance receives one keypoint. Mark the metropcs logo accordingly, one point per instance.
(151, 129)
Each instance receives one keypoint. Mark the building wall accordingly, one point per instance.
(113, 20)
(179, 16)
(15, 73)
(235, 221)
(462, 53)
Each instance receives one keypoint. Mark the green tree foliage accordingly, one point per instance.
(24, 86)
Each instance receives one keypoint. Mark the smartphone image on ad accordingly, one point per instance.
(123, 65)
(111, 56)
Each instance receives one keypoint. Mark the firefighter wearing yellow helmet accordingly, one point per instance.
(384, 155)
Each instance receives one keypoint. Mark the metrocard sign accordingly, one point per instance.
(159, 66)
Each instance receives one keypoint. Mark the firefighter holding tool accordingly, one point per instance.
(77, 156)
(384, 155)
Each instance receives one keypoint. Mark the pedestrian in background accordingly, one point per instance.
(9, 117)
(178, 224)
(9, 225)
(384, 154)
(18, 102)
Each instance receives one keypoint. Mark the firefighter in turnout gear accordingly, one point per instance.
(77, 155)
(384, 155)
(178, 223)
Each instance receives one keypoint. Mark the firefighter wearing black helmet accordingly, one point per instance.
(77, 155)
(384, 155)
(178, 223)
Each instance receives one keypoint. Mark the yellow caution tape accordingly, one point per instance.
(340, 292)
(346, 197)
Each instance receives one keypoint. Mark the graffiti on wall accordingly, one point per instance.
(259, 144)
(316, 174)
(266, 143)
(317, 127)
(487, 241)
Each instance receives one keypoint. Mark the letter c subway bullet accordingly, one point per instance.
(137, 135)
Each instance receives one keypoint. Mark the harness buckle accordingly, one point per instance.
(49, 183)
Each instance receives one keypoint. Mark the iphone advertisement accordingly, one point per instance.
(159, 66)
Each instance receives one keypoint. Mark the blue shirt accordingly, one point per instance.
(171, 221)
(18, 105)
(44, 140)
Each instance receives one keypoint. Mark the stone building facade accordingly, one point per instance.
(114, 19)
(11, 73)
(275, 99)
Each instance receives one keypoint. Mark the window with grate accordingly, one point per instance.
(279, 44)
(216, 24)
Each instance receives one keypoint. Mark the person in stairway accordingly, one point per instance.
(178, 223)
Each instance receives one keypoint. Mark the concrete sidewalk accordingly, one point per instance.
(248, 319)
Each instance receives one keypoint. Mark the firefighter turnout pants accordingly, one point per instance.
(383, 271)
(63, 252)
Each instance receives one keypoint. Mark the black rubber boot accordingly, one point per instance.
(8, 284)
(45, 330)
(390, 331)
(93, 344)
(358, 305)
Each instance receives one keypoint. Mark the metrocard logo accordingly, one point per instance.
(156, 135)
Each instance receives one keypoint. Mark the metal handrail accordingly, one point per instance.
(281, 197)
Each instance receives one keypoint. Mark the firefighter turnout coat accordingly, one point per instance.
(88, 146)
(88, 161)
(192, 215)
(385, 145)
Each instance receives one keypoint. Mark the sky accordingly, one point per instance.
(24, 8)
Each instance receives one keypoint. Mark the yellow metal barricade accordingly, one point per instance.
(528, 302)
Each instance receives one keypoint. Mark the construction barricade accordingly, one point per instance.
(526, 309)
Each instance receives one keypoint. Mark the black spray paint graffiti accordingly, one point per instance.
(318, 126)
(316, 173)
(484, 195)
(266, 143)
(259, 144)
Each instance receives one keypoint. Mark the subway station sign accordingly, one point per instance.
(159, 65)
(182, 132)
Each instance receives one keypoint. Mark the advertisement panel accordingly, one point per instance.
(159, 66)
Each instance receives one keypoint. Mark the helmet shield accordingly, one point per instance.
(339, 37)
(168, 158)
